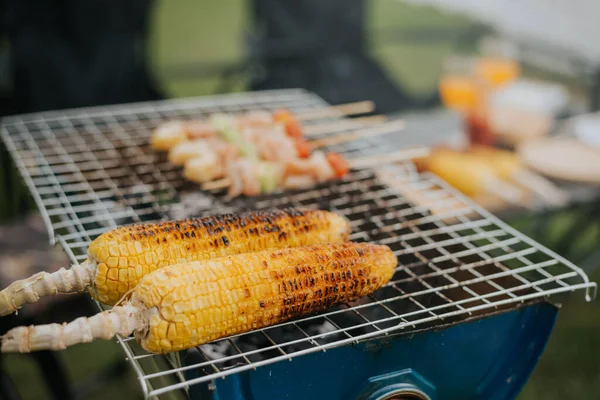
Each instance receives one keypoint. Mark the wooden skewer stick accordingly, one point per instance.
(407, 154)
(542, 187)
(360, 107)
(217, 184)
(504, 190)
(357, 163)
(342, 125)
(442, 206)
(394, 126)
(473, 176)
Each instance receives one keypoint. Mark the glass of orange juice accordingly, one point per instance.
(498, 63)
(459, 93)
(459, 88)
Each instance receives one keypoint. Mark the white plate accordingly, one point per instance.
(562, 158)
(587, 129)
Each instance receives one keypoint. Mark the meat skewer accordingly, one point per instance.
(210, 159)
(207, 158)
(190, 304)
(229, 126)
(300, 173)
(261, 157)
(270, 145)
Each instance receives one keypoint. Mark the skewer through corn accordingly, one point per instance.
(118, 259)
(190, 304)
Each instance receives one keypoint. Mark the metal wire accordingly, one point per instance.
(90, 170)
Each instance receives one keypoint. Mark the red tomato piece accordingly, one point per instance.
(302, 147)
(338, 163)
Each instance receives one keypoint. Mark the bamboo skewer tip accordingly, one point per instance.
(360, 107)
(506, 191)
(120, 320)
(216, 184)
(29, 290)
(542, 187)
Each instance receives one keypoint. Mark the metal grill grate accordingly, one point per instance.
(90, 170)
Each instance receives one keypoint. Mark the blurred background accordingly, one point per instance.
(460, 72)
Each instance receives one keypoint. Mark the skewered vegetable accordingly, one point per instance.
(339, 164)
(302, 147)
(291, 124)
(167, 135)
(245, 177)
(227, 127)
(190, 304)
(270, 144)
(276, 161)
(270, 174)
(118, 259)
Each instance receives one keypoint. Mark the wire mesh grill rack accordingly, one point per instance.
(90, 170)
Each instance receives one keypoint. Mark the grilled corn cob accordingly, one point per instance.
(189, 304)
(118, 259)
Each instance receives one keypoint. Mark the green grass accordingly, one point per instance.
(414, 65)
(80, 362)
(569, 368)
(194, 32)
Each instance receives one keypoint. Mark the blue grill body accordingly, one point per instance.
(490, 358)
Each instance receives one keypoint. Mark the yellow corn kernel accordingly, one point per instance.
(300, 281)
(144, 248)
(113, 274)
(123, 250)
(112, 262)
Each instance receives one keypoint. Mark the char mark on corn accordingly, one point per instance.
(199, 302)
(126, 254)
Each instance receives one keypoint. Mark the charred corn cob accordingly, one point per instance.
(189, 304)
(118, 259)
